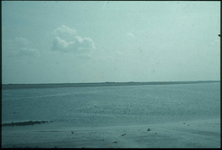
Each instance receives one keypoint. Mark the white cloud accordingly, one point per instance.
(20, 47)
(79, 45)
(61, 45)
(66, 40)
(131, 35)
(85, 56)
(28, 52)
(23, 41)
(85, 44)
(64, 30)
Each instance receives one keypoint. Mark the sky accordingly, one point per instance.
(110, 41)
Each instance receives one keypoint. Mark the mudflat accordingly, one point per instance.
(190, 134)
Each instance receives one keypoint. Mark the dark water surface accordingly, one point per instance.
(112, 105)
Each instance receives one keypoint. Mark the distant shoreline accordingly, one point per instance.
(59, 85)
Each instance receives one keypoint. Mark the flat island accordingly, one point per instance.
(59, 85)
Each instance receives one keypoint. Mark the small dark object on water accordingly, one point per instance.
(188, 124)
(155, 133)
(148, 129)
(72, 132)
(115, 142)
(183, 123)
(13, 112)
(123, 134)
(103, 139)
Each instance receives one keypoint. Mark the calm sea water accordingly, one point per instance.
(112, 105)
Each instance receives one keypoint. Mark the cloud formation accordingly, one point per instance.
(84, 44)
(61, 45)
(131, 35)
(23, 41)
(21, 47)
(64, 30)
(77, 44)
(28, 52)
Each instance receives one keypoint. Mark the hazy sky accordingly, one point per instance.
(75, 42)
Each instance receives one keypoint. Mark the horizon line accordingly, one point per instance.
(114, 82)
